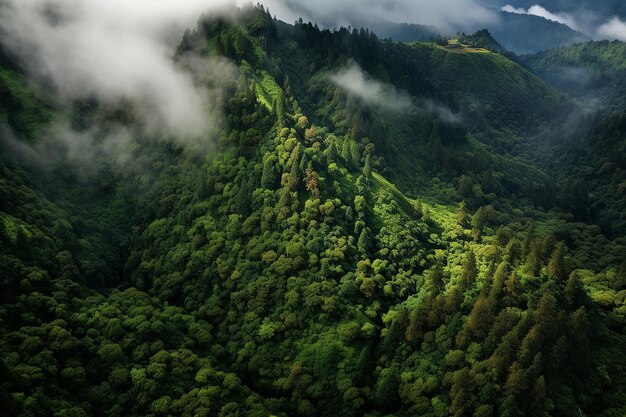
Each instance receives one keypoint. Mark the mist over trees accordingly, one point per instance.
(458, 252)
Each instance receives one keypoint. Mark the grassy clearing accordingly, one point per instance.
(266, 88)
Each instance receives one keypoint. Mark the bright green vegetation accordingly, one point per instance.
(329, 257)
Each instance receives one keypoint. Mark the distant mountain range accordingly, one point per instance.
(518, 33)
(595, 9)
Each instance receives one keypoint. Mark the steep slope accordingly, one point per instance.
(284, 274)
(591, 71)
(478, 92)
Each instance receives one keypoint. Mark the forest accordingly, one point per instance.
(456, 248)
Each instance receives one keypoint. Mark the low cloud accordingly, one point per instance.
(613, 29)
(446, 14)
(116, 50)
(583, 21)
(374, 93)
(536, 10)
(511, 9)
(563, 18)
(354, 81)
(442, 112)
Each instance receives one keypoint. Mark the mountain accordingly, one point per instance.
(592, 72)
(524, 34)
(377, 228)
(602, 10)
(518, 33)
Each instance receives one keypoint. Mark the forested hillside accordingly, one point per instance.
(593, 71)
(378, 228)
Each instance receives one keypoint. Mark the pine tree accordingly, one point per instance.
(513, 251)
(533, 260)
(304, 163)
(345, 151)
(556, 266)
(470, 271)
(367, 168)
(363, 242)
(478, 223)
(331, 153)
(435, 278)
(312, 180)
(355, 155)
(461, 217)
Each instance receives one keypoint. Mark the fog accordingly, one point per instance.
(354, 81)
(613, 29)
(371, 92)
(117, 50)
(445, 14)
(585, 21)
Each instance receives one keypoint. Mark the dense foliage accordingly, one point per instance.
(329, 257)
(594, 72)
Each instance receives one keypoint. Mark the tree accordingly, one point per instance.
(479, 220)
(513, 291)
(470, 271)
(461, 217)
(556, 266)
(303, 122)
(533, 260)
(355, 155)
(331, 153)
(435, 278)
(363, 242)
(513, 251)
(345, 150)
(367, 167)
(478, 322)
(386, 388)
(312, 181)
(269, 174)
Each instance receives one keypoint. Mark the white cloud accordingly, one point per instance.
(445, 14)
(563, 18)
(536, 10)
(372, 92)
(510, 9)
(355, 81)
(615, 28)
(114, 50)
